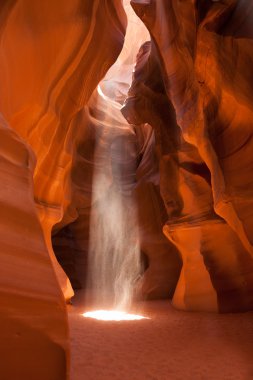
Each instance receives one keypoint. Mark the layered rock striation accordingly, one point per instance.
(185, 157)
(53, 55)
(192, 85)
(52, 59)
(34, 332)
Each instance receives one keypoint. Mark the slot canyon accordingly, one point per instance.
(126, 197)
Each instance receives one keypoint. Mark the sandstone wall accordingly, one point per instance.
(52, 56)
(201, 111)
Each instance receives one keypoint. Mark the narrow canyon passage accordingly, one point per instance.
(126, 182)
(171, 345)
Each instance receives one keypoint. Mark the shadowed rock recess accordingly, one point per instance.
(157, 96)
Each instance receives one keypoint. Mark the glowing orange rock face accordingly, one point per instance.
(33, 317)
(50, 66)
(53, 54)
(204, 53)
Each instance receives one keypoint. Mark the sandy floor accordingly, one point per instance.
(171, 345)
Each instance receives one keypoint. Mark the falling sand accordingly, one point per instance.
(114, 264)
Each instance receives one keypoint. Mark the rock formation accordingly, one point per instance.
(185, 157)
(33, 316)
(53, 55)
(50, 58)
(201, 53)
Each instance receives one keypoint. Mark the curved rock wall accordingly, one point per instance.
(52, 59)
(203, 52)
(53, 55)
(191, 119)
(34, 333)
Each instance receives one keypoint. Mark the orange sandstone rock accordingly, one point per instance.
(200, 181)
(53, 54)
(206, 50)
(33, 320)
(52, 59)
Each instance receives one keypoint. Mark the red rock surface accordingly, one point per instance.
(185, 158)
(50, 65)
(202, 52)
(53, 54)
(33, 320)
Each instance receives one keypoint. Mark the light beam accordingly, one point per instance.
(112, 315)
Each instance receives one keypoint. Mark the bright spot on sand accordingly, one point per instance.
(112, 315)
